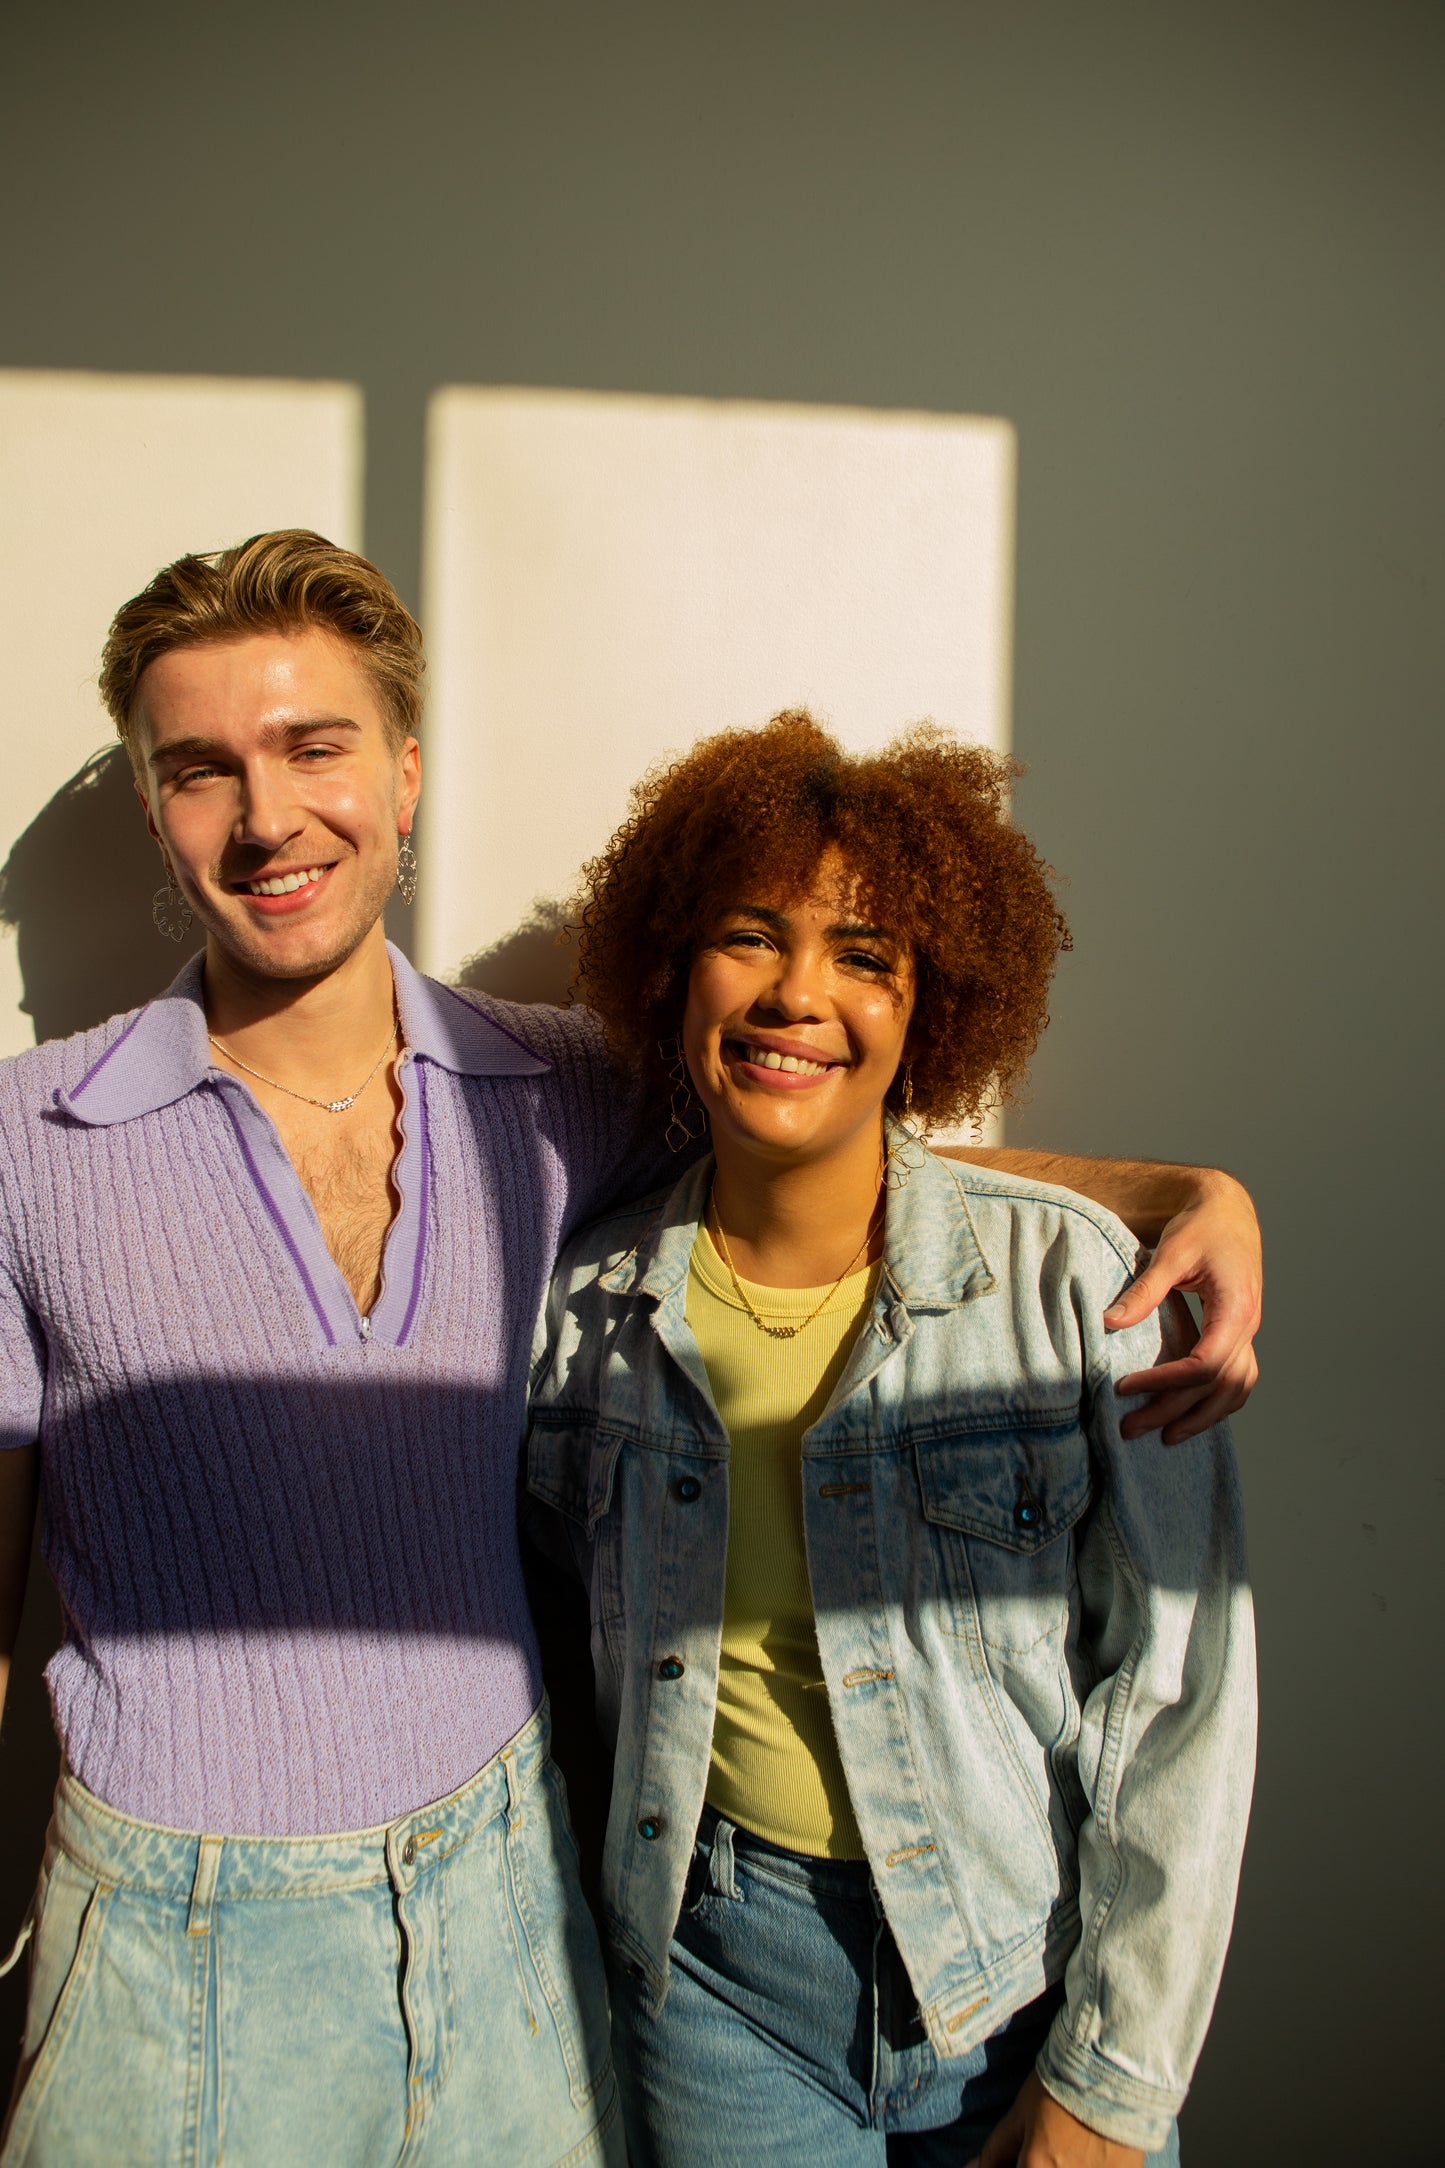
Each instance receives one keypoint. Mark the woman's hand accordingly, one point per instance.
(1038, 2133)
(1211, 1247)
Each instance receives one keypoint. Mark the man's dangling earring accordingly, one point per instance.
(906, 1149)
(172, 914)
(405, 869)
(686, 1119)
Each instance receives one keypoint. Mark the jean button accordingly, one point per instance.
(671, 1667)
(650, 1827)
(687, 1488)
(408, 1852)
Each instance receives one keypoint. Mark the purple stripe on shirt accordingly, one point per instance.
(418, 1070)
(114, 1048)
(278, 1221)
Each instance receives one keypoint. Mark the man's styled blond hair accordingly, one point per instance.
(285, 581)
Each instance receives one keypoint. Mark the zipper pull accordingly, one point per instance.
(366, 1328)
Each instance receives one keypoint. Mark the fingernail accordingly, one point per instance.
(1115, 1310)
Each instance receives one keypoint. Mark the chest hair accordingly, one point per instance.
(347, 1168)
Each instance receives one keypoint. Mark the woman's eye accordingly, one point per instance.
(746, 939)
(864, 960)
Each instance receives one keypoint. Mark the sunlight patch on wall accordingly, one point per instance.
(609, 577)
(102, 480)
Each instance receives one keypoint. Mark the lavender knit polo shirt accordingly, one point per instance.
(284, 1535)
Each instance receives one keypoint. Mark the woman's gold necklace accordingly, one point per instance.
(784, 1332)
(327, 1106)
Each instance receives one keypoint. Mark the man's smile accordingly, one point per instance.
(286, 889)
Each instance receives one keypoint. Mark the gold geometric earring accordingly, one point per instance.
(906, 1149)
(406, 869)
(687, 1121)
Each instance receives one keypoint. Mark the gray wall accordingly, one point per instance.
(1193, 252)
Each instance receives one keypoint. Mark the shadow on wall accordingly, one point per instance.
(77, 889)
(532, 963)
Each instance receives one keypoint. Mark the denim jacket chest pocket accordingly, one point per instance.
(572, 1467)
(1001, 1503)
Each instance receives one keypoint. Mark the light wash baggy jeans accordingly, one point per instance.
(427, 1992)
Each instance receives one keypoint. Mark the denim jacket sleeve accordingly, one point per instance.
(1166, 1756)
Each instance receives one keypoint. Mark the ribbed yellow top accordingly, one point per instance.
(775, 1763)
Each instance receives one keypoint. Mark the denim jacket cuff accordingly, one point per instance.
(1103, 2096)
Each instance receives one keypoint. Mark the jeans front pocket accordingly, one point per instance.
(69, 1915)
(557, 1940)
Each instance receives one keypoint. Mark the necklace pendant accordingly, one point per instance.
(339, 1106)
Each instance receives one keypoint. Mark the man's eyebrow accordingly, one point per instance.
(273, 735)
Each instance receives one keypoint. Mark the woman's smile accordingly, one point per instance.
(778, 1064)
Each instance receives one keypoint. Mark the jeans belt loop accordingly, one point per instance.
(722, 1875)
(203, 1889)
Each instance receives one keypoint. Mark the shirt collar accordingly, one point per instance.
(163, 1052)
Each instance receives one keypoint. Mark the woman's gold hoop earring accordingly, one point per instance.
(686, 1119)
(906, 1149)
(170, 910)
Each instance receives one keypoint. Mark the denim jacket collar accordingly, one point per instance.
(932, 1258)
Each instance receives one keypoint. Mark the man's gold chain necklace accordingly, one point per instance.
(784, 1332)
(327, 1106)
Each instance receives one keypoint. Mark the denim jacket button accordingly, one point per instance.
(650, 1826)
(671, 1667)
(687, 1487)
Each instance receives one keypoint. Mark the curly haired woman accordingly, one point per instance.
(932, 1697)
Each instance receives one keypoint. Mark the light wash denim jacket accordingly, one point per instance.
(1037, 1639)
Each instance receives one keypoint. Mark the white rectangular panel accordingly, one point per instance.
(609, 577)
(103, 479)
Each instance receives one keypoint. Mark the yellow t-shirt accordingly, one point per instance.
(775, 1769)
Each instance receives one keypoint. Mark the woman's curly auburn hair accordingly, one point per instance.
(923, 826)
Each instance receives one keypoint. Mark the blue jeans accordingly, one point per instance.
(790, 2036)
(430, 1992)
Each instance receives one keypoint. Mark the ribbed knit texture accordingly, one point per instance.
(775, 1768)
(292, 1591)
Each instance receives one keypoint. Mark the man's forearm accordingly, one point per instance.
(1146, 1193)
(1201, 1226)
